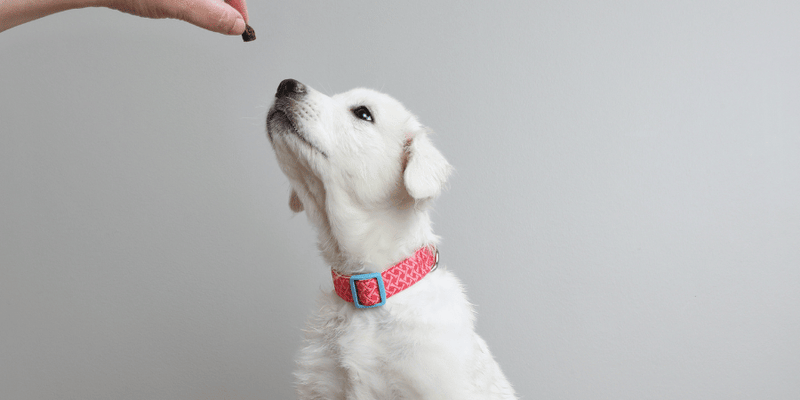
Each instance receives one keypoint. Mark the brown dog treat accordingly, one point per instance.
(249, 34)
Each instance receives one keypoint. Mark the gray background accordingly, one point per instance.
(625, 213)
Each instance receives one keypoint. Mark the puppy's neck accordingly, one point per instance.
(365, 240)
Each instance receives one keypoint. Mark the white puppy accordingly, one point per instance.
(364, 170)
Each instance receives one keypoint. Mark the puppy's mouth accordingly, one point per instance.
(279, 122)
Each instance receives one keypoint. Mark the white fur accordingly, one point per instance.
(366, 187)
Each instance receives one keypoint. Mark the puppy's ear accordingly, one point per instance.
(426, 170)
(294, 202)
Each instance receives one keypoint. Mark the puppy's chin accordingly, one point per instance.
(278, 123)
(281, 127)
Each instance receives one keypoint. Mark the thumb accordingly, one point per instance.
(213, 15)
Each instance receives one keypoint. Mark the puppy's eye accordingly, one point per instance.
(363, 113)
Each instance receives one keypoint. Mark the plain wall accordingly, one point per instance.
(625, 212)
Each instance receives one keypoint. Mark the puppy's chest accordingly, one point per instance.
(433, 310)
(371, 336)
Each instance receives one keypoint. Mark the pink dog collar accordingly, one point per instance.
(372, 290)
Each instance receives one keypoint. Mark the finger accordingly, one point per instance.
(213, 15)
(241, 6)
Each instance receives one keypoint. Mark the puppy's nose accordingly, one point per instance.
(290, 87)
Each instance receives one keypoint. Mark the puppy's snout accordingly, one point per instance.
(290, 87)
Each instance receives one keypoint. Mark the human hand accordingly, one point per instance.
(215, 15)
(227, 17)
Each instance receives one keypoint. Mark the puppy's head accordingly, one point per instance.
(359, 150)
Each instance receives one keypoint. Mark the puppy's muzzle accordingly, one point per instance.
(290, 88)
(290, 97)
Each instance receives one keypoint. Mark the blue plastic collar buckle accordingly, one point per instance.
(365, 277)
